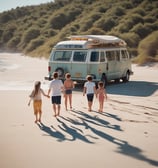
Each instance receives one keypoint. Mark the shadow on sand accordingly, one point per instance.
(75, 127)
(133, 88)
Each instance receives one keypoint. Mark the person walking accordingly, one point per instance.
(68, 86)
(37, 100)
(101, 95)
(56, 87)
(89, 89)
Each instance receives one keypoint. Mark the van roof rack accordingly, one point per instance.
(97, 40)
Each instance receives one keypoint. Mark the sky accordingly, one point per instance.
(12, 4)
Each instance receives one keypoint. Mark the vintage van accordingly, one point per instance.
(104, 57)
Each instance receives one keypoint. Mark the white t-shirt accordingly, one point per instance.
(89, 87)
(56, 87)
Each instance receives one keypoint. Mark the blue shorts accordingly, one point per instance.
(90, 97)
(56, 99)
(68, 91)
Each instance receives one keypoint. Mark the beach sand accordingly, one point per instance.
(124, 135)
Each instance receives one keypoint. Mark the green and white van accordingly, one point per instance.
(104, 57)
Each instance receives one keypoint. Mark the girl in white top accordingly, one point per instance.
(89, 89)
(56, 87)
(37, 100)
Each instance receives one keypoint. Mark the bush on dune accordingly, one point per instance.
(147, 50)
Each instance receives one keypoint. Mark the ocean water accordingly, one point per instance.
(16, 72)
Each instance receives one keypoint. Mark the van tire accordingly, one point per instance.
(60, 72)
(126, 78)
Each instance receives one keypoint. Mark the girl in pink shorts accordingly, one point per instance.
(101, 94)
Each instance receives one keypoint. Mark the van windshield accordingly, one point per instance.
(62, 55)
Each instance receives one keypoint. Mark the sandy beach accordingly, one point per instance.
(124, 135)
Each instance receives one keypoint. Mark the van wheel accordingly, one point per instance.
(60, 72)
(126, 78)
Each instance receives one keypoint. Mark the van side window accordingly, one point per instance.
(102, 56)
(62, 56)
(124, 54)
(94, 56)
(117, 55)
(110, 55)
(79, 56)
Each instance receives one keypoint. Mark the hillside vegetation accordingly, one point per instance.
(34, 30)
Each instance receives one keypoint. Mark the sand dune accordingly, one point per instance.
(124, 135)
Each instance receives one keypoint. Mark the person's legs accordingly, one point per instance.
(35, 106)
(58, 102)
(40, 115)
(36, 116)
(40, 110)
(66, 96)
(89, 106)
(54, 109)
(58, 109)
(70, 100)
(102, 105)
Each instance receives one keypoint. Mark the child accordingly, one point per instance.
(68, 86)
(37, 100)
(101, 94)
(89, 89)
(56, 86)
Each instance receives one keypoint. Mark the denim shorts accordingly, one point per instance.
(68, 91)
(90, 97)
(56, 99)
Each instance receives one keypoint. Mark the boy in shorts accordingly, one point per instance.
(89, 89)
(56, 87)
(68, 86)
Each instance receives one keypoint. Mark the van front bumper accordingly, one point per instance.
(48, 78)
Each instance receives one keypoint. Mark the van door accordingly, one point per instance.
(118, 66)
(111, 64)
(97, 65)
(79, 65)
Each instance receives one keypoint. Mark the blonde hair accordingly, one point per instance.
(36, 88)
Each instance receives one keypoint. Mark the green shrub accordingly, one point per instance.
(105, 24)
(95, 31)
(119, 11)
(34, 44)
(148, 48)
(30, 34)
(142, 30)
(131, 38)
(13, 42)
(136, 18)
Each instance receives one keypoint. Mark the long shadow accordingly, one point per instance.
(53, 133)
(123, 146)
(133, 88)
(95, 120)
(111, 116)
(75, 133)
